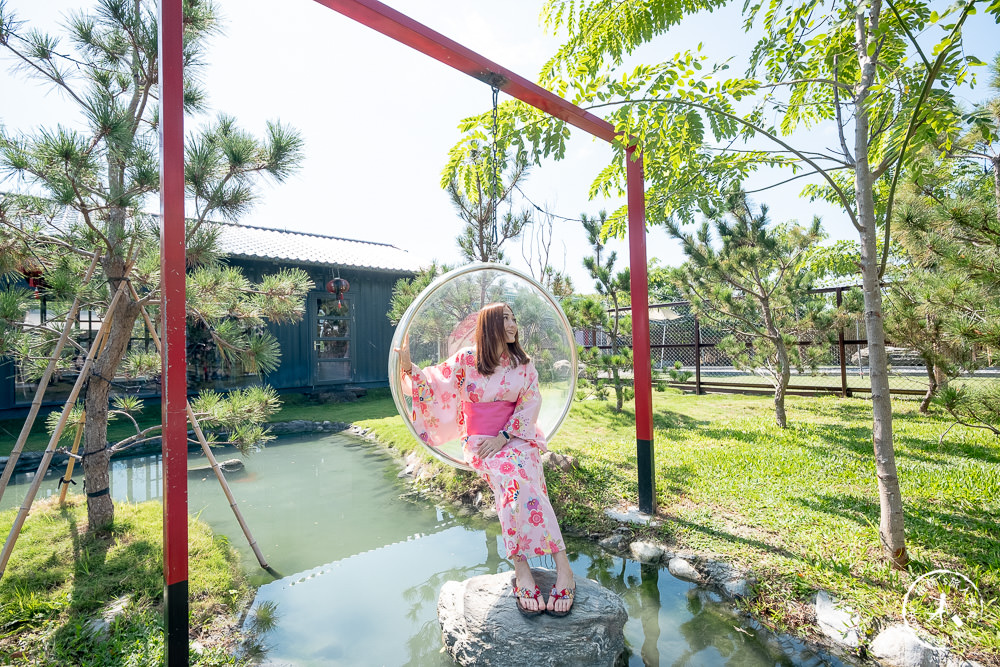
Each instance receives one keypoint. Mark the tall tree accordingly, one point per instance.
(863, 67)
(753, 286)
(949, 228)
(103, 166)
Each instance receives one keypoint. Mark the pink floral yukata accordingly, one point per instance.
(514, 473)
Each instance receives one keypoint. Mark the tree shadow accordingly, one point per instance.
(673, 480)
(732, 538)
(971, 533)
(132, 570)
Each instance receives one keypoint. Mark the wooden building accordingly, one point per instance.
(342, 341)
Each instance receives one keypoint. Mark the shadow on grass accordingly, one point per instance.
(134, 570)
(726, 536)
(972, 535)
(663, 419)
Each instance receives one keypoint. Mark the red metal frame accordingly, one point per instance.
(405, 30)
(172, 270)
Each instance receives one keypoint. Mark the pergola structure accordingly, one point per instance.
(403, 29)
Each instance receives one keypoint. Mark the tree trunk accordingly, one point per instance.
(100, 508)
(890, 501)
(779, 391)
(784, 365)
(932, 386)
(996, 183)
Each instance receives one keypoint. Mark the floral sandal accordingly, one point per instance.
(525, 594)
(564, 594)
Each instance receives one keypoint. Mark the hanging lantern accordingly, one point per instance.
(339, 287)
(35, 282)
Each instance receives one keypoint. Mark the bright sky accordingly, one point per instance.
(378, 118)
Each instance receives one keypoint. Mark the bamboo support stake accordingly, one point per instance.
(225, 486)
(208, 450)
(43, 465)
(68, 477)
(43, 383)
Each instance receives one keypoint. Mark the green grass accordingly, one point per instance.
(800, 506)
(60, 577)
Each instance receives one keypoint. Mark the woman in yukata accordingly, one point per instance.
(488, 395)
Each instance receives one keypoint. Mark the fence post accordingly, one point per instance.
(697, 356)
(844, 393)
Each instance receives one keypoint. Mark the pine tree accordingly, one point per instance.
(753, 286)
(105, 171)
(604, 368)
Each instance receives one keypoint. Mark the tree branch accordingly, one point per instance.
(911, 129)
(833, 184)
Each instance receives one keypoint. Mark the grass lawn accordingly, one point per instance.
(60, 578)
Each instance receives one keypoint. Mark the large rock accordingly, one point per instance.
(646, 552)
(837, 622)
(899, 646)
(480, 624)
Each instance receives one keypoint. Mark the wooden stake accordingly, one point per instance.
(43, 465)
(208, 450)
(43, 384)
(68, 477)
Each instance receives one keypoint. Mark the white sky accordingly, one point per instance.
(378, 118)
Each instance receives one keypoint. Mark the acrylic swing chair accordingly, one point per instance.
(442, 319)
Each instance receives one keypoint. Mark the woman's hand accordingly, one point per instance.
(491, 446)
(405, 365)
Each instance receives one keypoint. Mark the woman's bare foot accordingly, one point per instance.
(522, 574)
(564, 581)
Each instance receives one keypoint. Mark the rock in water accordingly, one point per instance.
(480, 624)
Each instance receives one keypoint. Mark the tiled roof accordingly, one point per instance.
(238, 240)
(266, 243)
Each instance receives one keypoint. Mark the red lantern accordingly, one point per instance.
(339, 287)
(35, 282)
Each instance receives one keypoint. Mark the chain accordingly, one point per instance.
(494, 168)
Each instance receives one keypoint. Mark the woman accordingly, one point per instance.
(488, 395)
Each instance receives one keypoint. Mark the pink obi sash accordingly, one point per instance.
(487, 418)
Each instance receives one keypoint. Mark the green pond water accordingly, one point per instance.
(360, 562)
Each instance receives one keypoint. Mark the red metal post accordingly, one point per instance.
(172, 271)
(642, 372)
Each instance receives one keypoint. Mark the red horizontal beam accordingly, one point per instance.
(405, 30)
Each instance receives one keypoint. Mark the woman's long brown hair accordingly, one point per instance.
(491, 340)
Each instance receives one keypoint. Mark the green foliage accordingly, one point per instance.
(239, 414)
(406, 290)
(752, 286)
(678, 375)
(945, 302)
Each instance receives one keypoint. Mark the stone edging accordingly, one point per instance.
(895, 644)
